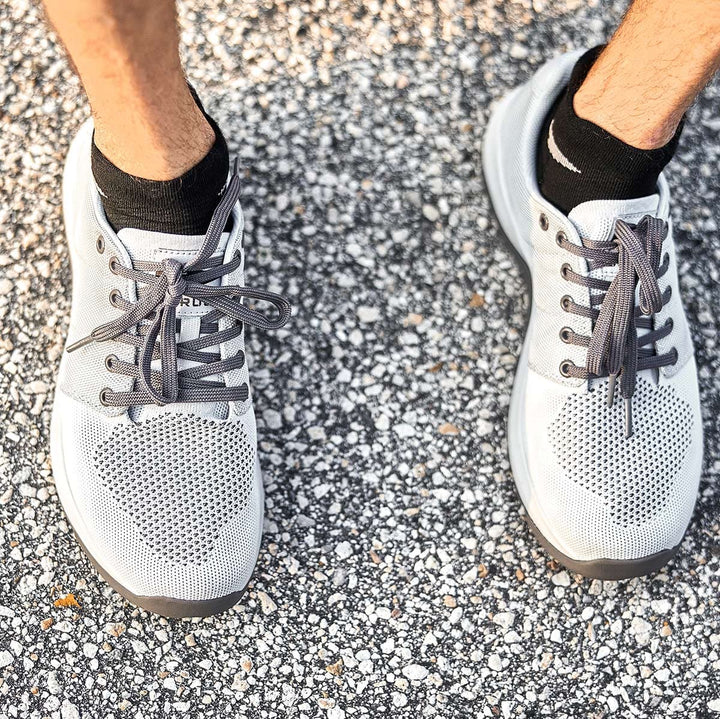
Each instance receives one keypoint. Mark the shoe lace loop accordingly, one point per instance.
(614, 348)
(150, 323)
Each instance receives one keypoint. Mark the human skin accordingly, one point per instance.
(126, 54)
(663, 53)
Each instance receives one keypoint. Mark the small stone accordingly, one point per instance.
(403, 430)
(561, 579)
(272, 418)
(266, 602)
(37, 387)
(430, 212)
(368, 314)
(415, 672)
(68, 710)
(504, 619)
(660, 606)
(6, 659)
(344, 550)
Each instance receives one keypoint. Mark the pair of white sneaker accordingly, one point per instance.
(164, 491)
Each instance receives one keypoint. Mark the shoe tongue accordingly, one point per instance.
(595, 220)
(146, 246)
(156, 246)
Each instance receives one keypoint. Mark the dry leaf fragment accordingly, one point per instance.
(115, 630)
(482, 571)
(448, 428)
(335, 669)
(45, 624)
(67, 601)
(477, 300)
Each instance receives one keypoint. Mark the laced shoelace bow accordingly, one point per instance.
(150, 323)
(614, 348)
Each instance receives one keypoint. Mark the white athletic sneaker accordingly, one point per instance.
(153, 431)
(605, 432)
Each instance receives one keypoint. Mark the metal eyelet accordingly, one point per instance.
(670, 322)
(100, 244)
(675, 355)
(113, 264)
(565, 302)
(565, 368)
(566, 334)
(109, 362)
(115, 298)
(544, 222)
(103, 396)
(560, 238)
(565, 269)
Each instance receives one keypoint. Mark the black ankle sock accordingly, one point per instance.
(579, 161)
(182, 206)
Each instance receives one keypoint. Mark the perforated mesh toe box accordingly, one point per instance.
(180, 479)
(635, 477)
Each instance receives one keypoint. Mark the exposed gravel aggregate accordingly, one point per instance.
(397, 577)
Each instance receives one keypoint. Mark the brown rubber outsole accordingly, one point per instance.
(167, 606)
(607, 569)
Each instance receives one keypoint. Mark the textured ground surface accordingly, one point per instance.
(396, 577)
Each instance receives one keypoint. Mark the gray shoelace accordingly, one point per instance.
(614, 349)
(150, 323)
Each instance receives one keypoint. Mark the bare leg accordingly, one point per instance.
(126, 53)
(662, 55)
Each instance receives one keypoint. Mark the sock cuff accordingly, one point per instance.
(182, 205)
(580, 161)
(590, 142)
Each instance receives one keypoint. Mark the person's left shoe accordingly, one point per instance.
(604, 432)
(153, 437)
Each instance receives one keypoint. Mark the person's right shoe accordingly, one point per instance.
(153, 439)
(605, 431)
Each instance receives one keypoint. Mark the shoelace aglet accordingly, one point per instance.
(611, 389)
(628, 418)
(80, 343)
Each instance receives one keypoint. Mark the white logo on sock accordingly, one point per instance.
(557, 155)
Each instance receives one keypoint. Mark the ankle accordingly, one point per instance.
(644, 133)
(182, 204)
(152, 145)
